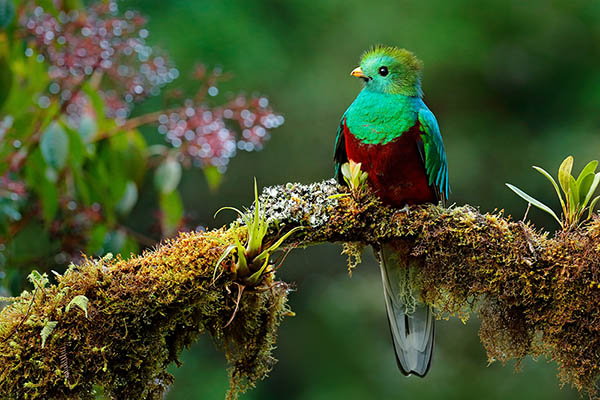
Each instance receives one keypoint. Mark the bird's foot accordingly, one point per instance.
(405, 209)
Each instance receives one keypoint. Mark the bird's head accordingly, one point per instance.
(390, 70)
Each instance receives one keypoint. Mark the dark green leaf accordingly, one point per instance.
(592, 205)
(592, 190)
(34, 169)
(135, 155)
(129, 247)
(172, 212)
(81, 187)
(533, 201)
(573, 194)
(77, 150)
(49, 197)
(584, 184)
(94, 245)
(5, 80)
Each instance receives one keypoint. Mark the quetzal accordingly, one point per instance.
(391, 132)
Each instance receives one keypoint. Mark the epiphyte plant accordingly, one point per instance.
(354, 177)
(251, 261)
(577, 193)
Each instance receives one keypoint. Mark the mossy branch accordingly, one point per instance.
(535, 295)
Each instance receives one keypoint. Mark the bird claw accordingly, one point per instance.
(405, 209)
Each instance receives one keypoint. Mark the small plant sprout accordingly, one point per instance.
(353, 175)
(252, 259)
(577, 193)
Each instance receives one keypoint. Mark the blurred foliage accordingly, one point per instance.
(512, 84)
(75, 162)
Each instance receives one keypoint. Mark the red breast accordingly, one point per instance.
(396, 170)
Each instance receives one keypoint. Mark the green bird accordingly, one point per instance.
(396, 138)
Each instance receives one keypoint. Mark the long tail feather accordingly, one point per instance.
(412, 323)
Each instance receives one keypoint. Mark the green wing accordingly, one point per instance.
(436, 165)
(339, 152)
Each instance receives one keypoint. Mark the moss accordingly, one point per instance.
(142, 313)
(536, 295)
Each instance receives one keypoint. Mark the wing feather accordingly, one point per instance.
(339, 154)
(435, 162)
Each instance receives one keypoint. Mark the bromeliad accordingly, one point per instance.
(389, 130)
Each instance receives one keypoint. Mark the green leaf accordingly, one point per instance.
(87, 128)
(81, 187)
(241, 214)
(592, 205)
(49, 197)
(96, 240)
(225, 254)
(590, 168)
(167, 175)
(346, 173)
(97, 104)
(71, 5)
(584, 185)
(7, 12)
(255, 277)
(37, 279)
(172, 210)
(47, 330)
(592, 189)
(276, 245)
(55, 146)
(80, 301)
(573, 193)
(130, 247)
(564, 173)
(130, 197)
(242, 263)
(77, 149)
(213, 178)
(134, 155)
(551, 179)
(257, 227)
(533, 201)
(6, 79)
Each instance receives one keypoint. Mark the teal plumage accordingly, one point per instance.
(396, 138)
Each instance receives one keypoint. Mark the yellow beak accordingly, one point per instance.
(357, 72)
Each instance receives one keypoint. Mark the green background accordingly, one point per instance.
(512, 83)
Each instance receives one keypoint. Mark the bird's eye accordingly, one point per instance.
(383, 71)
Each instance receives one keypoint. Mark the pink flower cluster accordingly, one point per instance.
(210, 136)
(78, 45)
